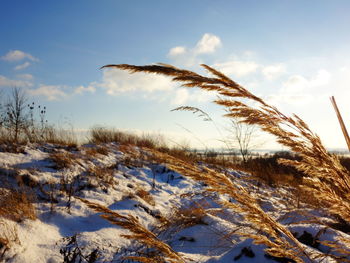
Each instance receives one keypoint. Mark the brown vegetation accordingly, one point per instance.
(101, 177)
(16, 205)
(145, 195)
(268, 169)
(104, 135)
(8, 236)
(140, 234)
(62, 159)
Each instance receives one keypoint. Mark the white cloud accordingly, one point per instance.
(237, 68)
(22, 66)
(176, 51)
(296, 99)
(189, 57)
(322, 78)
(181, 96)
(25, 76)
(81, 89)
(17, 55)
(273, 71)
(207, 44)
(299, 90)
(6, 82)
(148, 86)
(60, 92)
(248, 54)
(298, 83)
(116, 82)
(294, 84)
(51, 92)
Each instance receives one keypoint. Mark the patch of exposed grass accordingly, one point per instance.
(16, 205)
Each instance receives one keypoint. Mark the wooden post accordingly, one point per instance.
(341, 122)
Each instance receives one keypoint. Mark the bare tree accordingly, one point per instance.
(16, 117)
(243, 137)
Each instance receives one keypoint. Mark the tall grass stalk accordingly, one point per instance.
(138, 233)
(341, 122)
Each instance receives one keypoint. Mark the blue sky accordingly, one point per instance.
(294, 54)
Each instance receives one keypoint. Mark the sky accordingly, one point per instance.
(294, 54)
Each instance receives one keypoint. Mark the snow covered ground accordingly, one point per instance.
(177, 209)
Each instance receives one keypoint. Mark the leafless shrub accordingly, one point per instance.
(16, 118)
(72, 252)
(70, 185)
(49, 192)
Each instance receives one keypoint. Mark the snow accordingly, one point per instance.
(212, 239)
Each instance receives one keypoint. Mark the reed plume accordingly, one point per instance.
(139, 234)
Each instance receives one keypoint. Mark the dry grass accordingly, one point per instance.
(59, 136)
(270, 171)
(104, 135)
(8, 236)
(184, 217)
(128, 140)
(325, 178)
(63, 160)
(16, 205)
(145, 195)
(101, 177)
(139, 233)
(92, 152)
(50, 134)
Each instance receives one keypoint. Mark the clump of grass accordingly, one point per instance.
(16, 205)
(101, 177)
(92, 152)
(104, 135)
(139, 234)
(127, 140)
(62, 160)
(60, 136)
(269, 170)
(187, 216)
(8, 236)
(145, 195)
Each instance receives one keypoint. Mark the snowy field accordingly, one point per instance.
(178, 210)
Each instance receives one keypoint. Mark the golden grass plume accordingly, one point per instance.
(139, 234)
